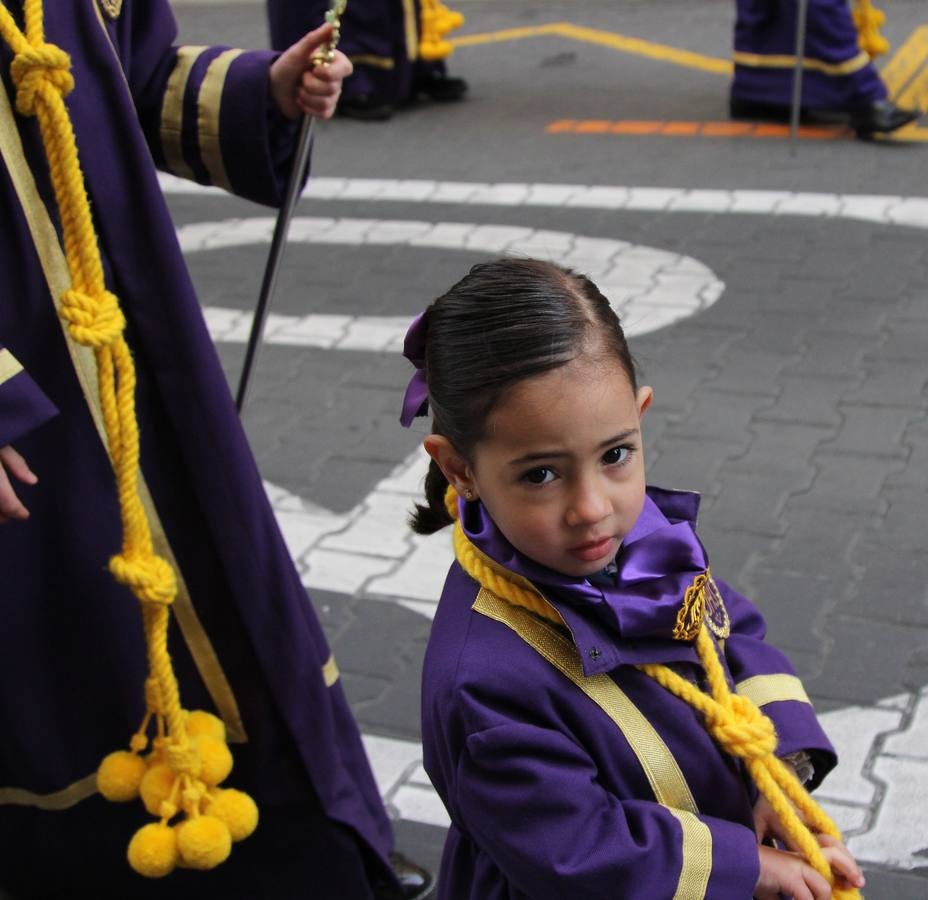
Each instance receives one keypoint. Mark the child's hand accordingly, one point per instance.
(783, 872)
(10, 505)
(299, 86)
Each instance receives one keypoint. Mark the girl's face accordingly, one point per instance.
(561, 469)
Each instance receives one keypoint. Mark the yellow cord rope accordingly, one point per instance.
(868, 20)
(435, 21)
(42, 78)
(734, 722)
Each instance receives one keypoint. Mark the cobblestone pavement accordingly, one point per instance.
(777, 300)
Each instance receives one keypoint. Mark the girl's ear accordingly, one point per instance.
(644, 397)
(453, 466)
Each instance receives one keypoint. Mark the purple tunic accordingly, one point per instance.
(550, 797)
(248, 645)
(380, 37)
(838, 74)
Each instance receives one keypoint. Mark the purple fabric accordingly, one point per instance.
(370, 28)
(546, 798)
(23, 407)
(768, 27)
(416, 398)
(72, 639)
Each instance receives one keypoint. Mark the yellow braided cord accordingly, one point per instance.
(42, 78)
(734, 722)
(868, 20)
(435, 21)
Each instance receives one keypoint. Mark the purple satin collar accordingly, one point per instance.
(656, 563)
(416, 398)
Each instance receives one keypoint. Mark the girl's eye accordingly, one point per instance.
(616, 456)
(541, 475)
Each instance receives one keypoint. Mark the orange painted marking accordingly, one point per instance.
(632, 127)
(681, 128)
(761, 130)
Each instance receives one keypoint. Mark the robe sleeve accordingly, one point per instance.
(764, 674)
(206, 111)
(23, 406)
(516, 779)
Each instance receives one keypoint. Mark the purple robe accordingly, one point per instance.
(548, 796)
(838, 74)
(248, 645)
(380, 37)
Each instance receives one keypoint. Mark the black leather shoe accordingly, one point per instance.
(366, 107)
(415, 883)
(439, 87)
(881, 116)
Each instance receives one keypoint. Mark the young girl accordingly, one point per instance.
(590, 700)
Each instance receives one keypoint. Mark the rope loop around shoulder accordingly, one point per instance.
(92, 321)
(39, 65)
(150, 577)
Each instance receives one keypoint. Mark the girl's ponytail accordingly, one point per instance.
(427, 519)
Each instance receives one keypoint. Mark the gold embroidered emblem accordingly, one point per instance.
(111, 7)
(716, 615)
(702, 602)
(692, 610)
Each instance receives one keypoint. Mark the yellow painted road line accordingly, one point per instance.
(618, 42)
(506, 34)
(899, 73)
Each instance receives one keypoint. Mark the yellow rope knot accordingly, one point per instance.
(35, 67)
(742, 729)
(93, 321)
(183, 758)
(151, 578)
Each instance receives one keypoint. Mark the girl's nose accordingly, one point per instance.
(588, 505)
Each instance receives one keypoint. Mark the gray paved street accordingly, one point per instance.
(777, 302)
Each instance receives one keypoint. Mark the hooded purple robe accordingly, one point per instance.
(248, 645)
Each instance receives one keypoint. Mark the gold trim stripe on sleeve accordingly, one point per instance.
(55, 269)
(9, 366)
(172, 111)
(764, 689)
(209, 105)
(330, 671)
(660, 767)
(697, 857)
(784, 61)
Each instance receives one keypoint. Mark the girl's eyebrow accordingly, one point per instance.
(560, 454)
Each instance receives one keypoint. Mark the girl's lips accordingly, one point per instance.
(593, 551)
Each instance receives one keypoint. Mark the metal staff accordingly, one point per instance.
(801, 13)
(323, 55)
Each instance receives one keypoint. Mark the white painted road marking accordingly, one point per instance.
(649, 288)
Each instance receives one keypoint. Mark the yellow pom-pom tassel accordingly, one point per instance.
(200, 722)
(120, 775)
(216, 759)
(237, 810)
(156, 787)
(204, 842)
(153, 850)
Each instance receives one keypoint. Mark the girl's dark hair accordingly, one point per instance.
(505, 321)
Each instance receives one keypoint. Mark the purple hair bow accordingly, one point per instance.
(416, 399)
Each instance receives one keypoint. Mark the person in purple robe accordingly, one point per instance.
(244, 639)
(591, 695)
(838, 76)
(384, 41)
